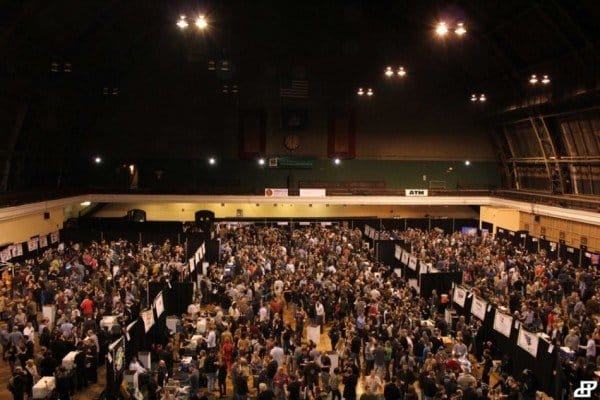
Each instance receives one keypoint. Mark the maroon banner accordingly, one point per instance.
(252, 130)
(342, 134)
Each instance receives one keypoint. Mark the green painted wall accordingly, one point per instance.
(248, 177)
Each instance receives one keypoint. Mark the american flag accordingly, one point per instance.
(294, 89)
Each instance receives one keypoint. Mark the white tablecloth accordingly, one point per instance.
(109, 321)
(69, 360)
(44, 387)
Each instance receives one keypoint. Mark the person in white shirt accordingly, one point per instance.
(263, 314)
(201, 326)
(590, 349)
(320, 312)
(29, 331)
(277, 354)
(211, 339)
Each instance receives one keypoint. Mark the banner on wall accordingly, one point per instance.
(478, 308)
(503, 323)
(129, 328)
(5, 255)
(412, 263)
(397, 252)
(159, 304)
(16, 250)
(528, 341)
(148, 318)
(32, 244)
(54, 237)
(460, 295)
(405, 257)
(116, 355)
(43, 241)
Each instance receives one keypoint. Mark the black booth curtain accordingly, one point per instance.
(542, 366)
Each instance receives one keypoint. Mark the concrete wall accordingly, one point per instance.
(23, 228)
(186, 211)
(555, 229)
(507, 218)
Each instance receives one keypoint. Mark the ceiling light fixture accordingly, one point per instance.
(545, 80)
(360, 92)
(441, 29)
(533, 79)
(370, 92)
(460, 29)
(201, 22)
(389, 72)
(182, 23)
(401, 72)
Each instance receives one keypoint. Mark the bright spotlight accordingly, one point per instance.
(441, 29)
(201, 22)
(360, 91)
(545, 80)
(85, 203)
(212, 161)
(460, 29)
(482, 97)
(467, 163)
(182, 23)
(337, 161)
(473, 97)
(401, 72)
(389, 72)
(533, 79)
(261, 161)
(97, 159)
(369, 92)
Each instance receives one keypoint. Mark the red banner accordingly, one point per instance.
(252, 133)
(342, 134)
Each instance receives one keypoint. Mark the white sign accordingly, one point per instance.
(478, 308)
(276, 192)
(312, 192)
(412, 263)
(397, 252)
(148, 318)
(416, 192)
(32, 244)
(528, 341)
(459, 297)
(54, 237)
(16, 250)
(503, 323)
(405, 257)
(159, 304)
(5, 255)
(43, 241)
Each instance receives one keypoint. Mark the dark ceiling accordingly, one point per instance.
(133, 46)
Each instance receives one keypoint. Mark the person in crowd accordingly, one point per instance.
(17, 384)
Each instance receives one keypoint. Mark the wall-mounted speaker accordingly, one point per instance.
(136, 215)
(536, 218)
(205, 219)
(46, 215)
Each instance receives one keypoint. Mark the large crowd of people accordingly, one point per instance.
(252, 310)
